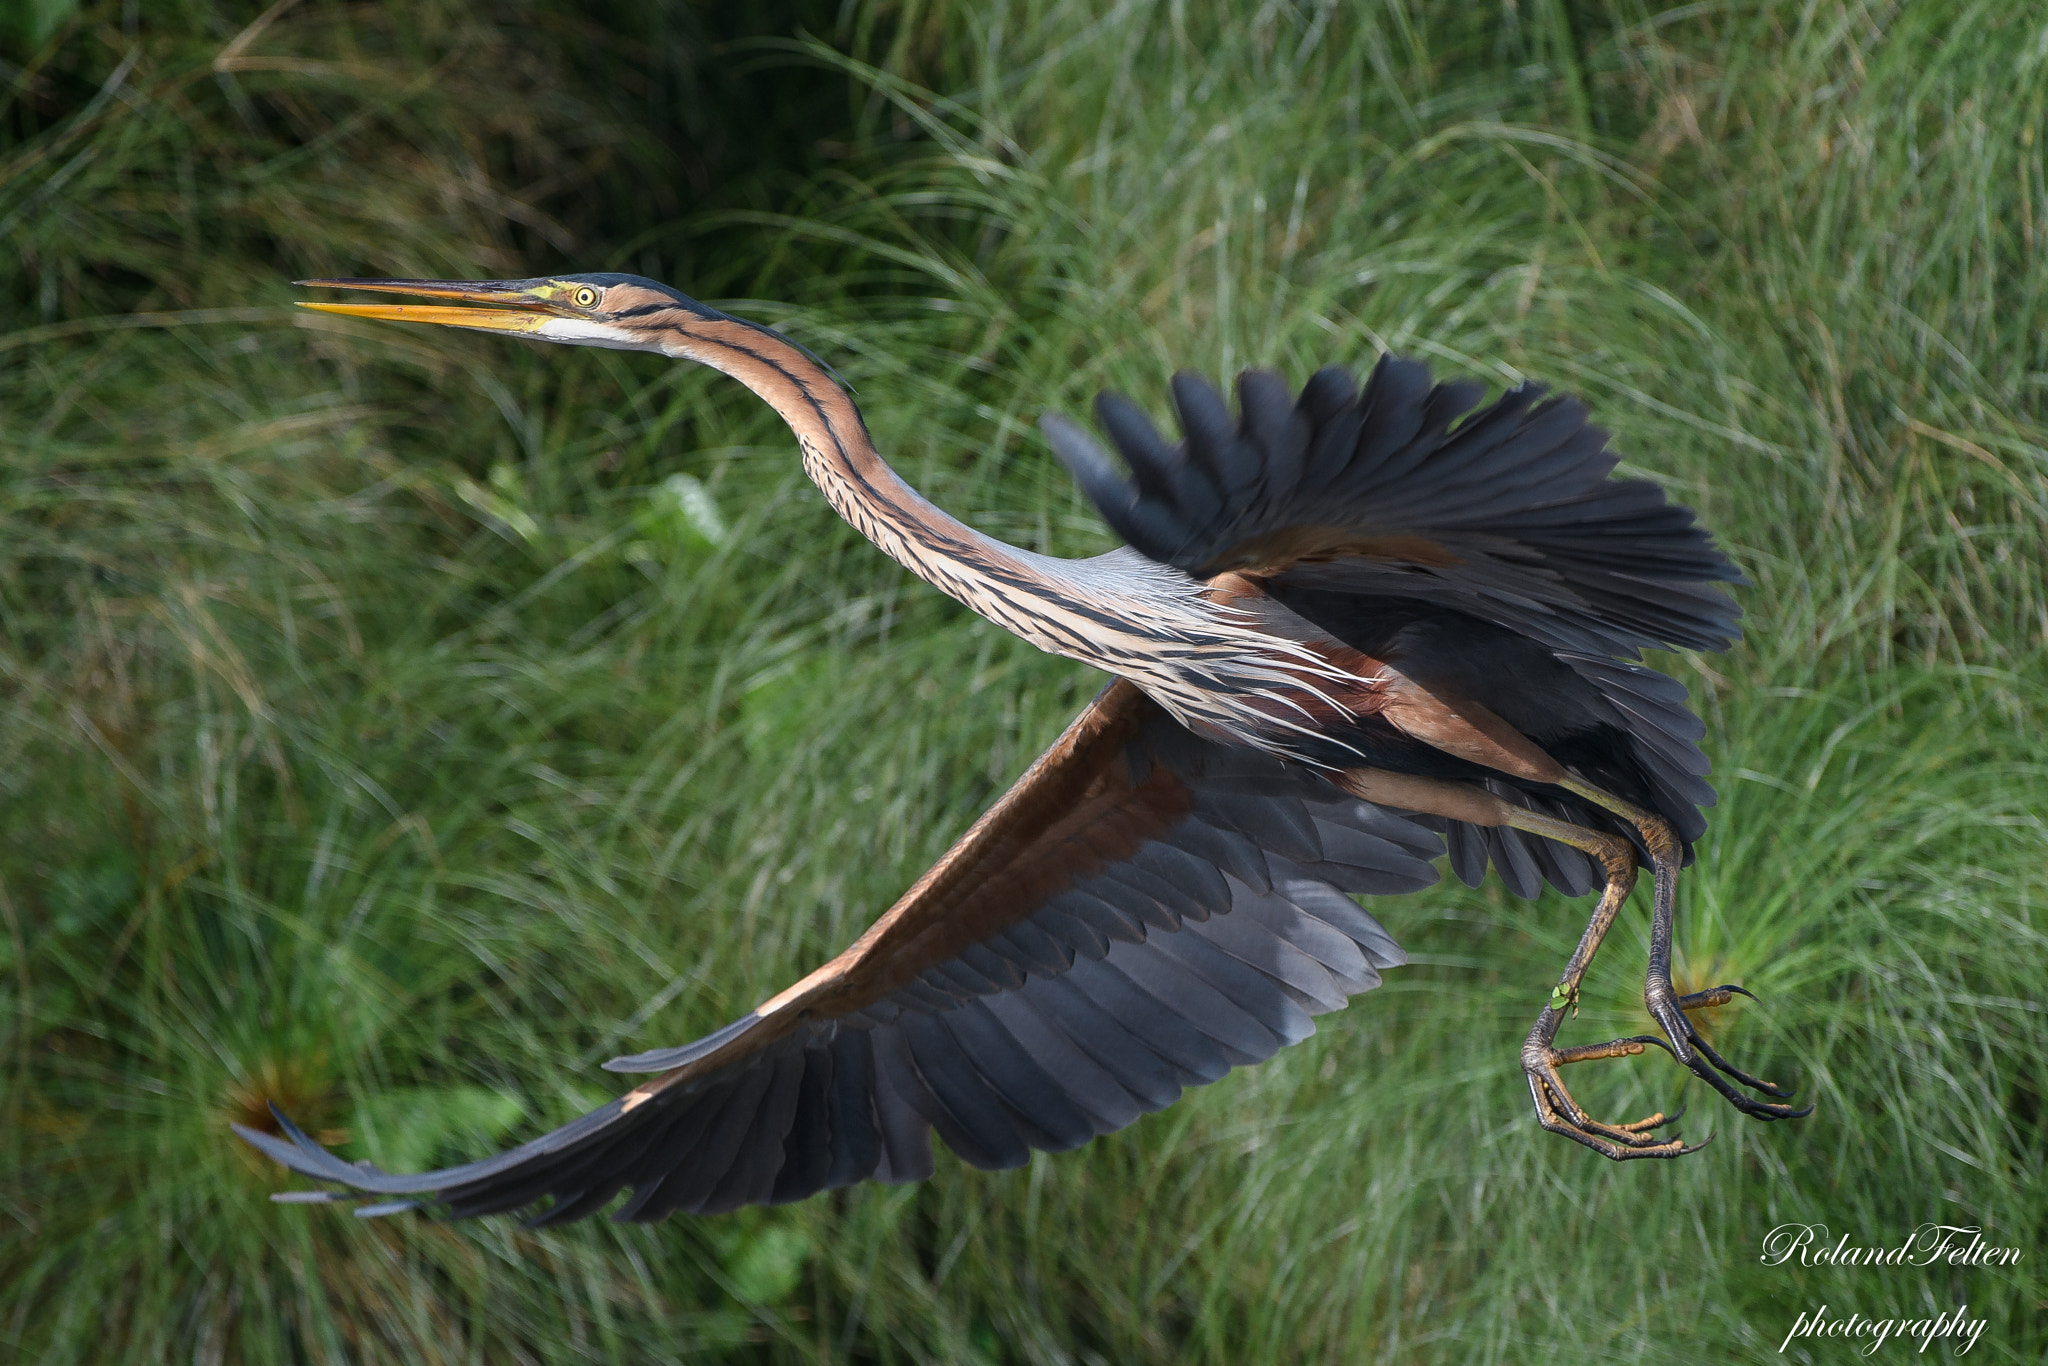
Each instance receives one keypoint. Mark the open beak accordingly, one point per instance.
(521, 310)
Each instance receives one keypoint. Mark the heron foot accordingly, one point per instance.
(1669, 1010)
(1560, 1114)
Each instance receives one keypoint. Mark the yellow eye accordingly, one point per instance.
(585, 297)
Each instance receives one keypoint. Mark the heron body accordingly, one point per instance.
(1347, 629)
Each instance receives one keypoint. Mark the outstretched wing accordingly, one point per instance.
(1143, 911)
(1510, 517)
(1377, 503)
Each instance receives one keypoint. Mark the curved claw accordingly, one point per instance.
(1559, 1113)
(1628, 1141)
(1652, 1038)
(1656, 1121)
(1618, 1153)
(1680, 1114)
(1700, 1057)
(1755, 1109)
(1708, 1065)
(1714, 996)
(1769, 1088)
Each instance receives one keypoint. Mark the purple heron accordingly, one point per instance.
(1349, 630)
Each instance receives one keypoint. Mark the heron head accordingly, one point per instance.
(623, 312)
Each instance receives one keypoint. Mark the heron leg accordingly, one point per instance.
(1666, 1006)
(1555, 1108)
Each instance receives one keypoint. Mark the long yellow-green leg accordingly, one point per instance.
(1666, 1006)
(1555, 1108)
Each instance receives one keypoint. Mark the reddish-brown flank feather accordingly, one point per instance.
(1465, 728)
(1423, 710)
(1326, 702)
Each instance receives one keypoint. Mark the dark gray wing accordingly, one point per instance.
(1142, 912)
(1508, 516)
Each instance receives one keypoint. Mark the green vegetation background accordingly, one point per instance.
(397, 725)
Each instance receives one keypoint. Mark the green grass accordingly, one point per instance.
(393, 735)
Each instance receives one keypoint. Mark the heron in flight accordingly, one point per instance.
(1348, 630)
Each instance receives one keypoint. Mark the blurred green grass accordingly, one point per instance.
(399, 725)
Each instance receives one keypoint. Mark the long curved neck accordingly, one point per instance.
(1015, 588)
(1121, 612)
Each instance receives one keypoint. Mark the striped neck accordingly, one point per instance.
(1229, 668)
(1026, 593)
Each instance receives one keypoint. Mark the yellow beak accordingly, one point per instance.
(522, 310)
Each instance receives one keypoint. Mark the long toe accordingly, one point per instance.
(1558, 1112)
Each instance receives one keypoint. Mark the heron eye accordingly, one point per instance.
(585, 297)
